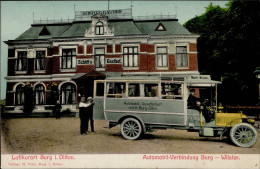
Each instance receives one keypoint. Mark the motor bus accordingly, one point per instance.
(141, 104)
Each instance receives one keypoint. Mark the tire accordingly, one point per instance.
(131, 129)
(243, 135)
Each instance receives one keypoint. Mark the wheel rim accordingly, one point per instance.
(243, 135)
(131, 129)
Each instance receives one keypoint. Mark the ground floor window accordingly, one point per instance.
(39, 94)
(19, 95)
(68, 93)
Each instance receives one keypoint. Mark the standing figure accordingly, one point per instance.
(57, 109)
(90, 113)
(83, 115)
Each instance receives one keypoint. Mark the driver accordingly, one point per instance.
(192, 100)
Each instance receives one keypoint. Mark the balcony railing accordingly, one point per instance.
(137, 18)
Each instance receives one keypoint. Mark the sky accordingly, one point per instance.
(17, 16)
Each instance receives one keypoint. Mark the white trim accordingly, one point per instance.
(68, 70)
(162, 73)
(18, 72)
(130, 68)
(37, 78)
(69, 81)
(20, 50)
(38, 84)
(17, 84)
(39, 71)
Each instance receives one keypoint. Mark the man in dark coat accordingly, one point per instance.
(90, 114)
(57, 109)
(192, 100)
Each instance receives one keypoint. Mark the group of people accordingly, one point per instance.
(86, 114)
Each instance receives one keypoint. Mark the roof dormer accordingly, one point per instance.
(99, 26)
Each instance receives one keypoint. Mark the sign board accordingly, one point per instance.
(113, 61)
(117, 13)
(85, 61)
(199, 77)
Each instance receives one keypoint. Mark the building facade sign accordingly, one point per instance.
(114, 61)
(85, 61)
(118, 13)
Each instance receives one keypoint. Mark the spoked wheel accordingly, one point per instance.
(131, 129)
(243, 135)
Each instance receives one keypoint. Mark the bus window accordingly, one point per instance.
(116, 90)
(171, 91)
(100, 89)
(150, 90)
(134, 90)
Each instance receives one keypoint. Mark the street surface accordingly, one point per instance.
(51, 136)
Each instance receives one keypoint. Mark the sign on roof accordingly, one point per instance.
(117, 13)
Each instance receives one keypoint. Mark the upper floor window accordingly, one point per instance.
(99, 30)
(99, 57)
(68, 93)
(182, 56)
(68, 59)
(19, 95)
(39, 94)
(39, 62)
(130, 56)
(21, 62)
(162, 57)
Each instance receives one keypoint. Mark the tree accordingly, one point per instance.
(229, 48)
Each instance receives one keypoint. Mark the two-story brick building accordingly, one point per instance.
(71, 55)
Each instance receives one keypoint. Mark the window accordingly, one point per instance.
(116, 90)
(130, 56)
(21, 62)
(99, 28)
(182, 56)
(39, 94)
(171, 91)
(99, 57)
(100, 89)
(68, 93)
(19, 95)
(39, 62)
(150, 90)
(68, 59)
(162, 57)
(133, 90)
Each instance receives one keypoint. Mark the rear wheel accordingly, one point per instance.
(131, 129)
(243, 135)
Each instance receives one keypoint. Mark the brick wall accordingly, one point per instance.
(89, 49)
(80, 49)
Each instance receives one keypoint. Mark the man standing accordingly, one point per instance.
(83, 115)
(90, 114)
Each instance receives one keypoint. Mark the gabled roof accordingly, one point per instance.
(121, 28)
(172, 28)
(35, 30)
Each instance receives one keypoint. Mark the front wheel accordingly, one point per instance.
(131, 129)
(243, 135)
